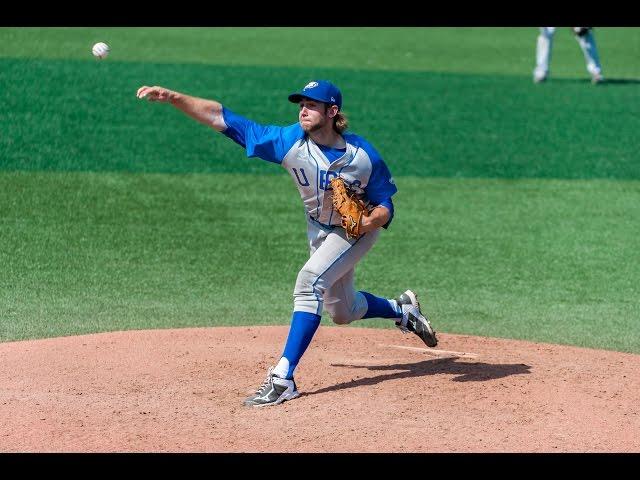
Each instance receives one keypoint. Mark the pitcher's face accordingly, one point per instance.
(313, 115)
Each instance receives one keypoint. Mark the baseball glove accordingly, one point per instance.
(349, 206)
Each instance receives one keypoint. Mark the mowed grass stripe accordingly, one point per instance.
(479, 50)
(545, 260)
(81, 116)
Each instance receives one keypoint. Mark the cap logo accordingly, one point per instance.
(310, 85)
(333, 99)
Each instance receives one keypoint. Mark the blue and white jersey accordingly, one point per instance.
(361, 166)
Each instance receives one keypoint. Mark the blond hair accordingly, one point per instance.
(340, 122)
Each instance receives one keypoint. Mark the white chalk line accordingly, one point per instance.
(434, 353)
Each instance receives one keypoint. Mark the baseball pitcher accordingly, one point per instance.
(346, 189)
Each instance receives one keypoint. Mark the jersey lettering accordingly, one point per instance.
(306, 181)
(325, 179)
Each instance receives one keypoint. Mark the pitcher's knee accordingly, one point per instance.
(307, 294)
(308, 283)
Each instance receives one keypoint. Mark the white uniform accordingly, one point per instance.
(544, 47)
(326, 279)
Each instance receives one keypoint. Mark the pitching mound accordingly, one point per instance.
(363, 390)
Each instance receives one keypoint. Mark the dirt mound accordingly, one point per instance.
(363, 390)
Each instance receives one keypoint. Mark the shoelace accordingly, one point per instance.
(402, 324)
(266, 383)
(404, 321)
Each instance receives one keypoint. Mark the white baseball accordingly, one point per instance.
(100, 50)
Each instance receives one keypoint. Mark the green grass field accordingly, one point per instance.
(520, 203)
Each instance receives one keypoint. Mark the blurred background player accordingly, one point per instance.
(587, 42)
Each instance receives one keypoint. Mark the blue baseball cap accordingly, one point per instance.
(320, 90)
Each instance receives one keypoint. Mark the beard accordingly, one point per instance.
(312, 127)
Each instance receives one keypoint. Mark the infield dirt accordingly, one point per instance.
(362, 390)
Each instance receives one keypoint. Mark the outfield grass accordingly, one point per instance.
(79, 116)
(532, 259)
(519, 202)
(501, 51)
(456, 126)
